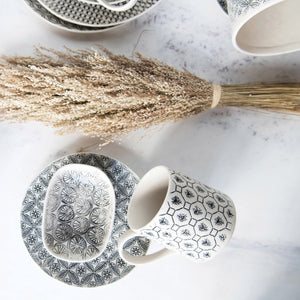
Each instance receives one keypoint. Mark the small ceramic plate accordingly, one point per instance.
(223, 4)
(57, 22)
(108, 267)
(78, 213)
(92, 14)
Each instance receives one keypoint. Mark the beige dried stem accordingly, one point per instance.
(109, 95)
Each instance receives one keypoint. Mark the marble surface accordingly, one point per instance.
(250, 155)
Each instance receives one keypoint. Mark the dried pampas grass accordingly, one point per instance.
(109, 95)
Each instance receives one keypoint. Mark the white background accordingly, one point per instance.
(252, 156)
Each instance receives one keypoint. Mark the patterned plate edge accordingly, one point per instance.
(95, 272)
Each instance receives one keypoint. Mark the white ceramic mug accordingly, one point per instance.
(265, 27)
(113, 5)
(184, 215)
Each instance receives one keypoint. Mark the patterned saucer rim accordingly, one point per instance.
(108, 267)
(223, 4)
(53, 20)
(102, 23)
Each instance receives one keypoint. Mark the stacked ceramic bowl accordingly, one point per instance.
(72, 216)
(90, 15)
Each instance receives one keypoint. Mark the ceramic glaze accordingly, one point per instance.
(182, 214)
(264, 27)
(92, 14)
(42, 12)
(117, 5)
(107, 267)
(78, 213)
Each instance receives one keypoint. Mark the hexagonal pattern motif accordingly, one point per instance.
(89, 13)
(196, 220)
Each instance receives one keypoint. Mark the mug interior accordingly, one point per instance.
(274, 30)
(148, 197)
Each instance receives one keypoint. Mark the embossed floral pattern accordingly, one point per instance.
(105, 268)
(80, 224)
(72, 221)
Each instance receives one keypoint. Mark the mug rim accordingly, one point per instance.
(219, 233)
(238, 24)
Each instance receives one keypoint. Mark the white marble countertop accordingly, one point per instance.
(252, 156)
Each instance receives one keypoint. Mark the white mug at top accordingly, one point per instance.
(185, 216)
(117, 5)
(265, 27)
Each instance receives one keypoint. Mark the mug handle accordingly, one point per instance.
(114, 7)
(138, 260)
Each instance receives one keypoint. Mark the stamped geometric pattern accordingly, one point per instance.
(93, 14)
(201, 219)
(108, 266)
(45, 14)
(78, 213)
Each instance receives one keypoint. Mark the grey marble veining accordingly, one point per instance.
(250, 155)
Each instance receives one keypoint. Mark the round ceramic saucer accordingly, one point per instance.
(223, 4)
(54, 20)
(89, 13)
(108, 266)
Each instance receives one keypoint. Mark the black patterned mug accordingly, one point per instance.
(182, 214)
